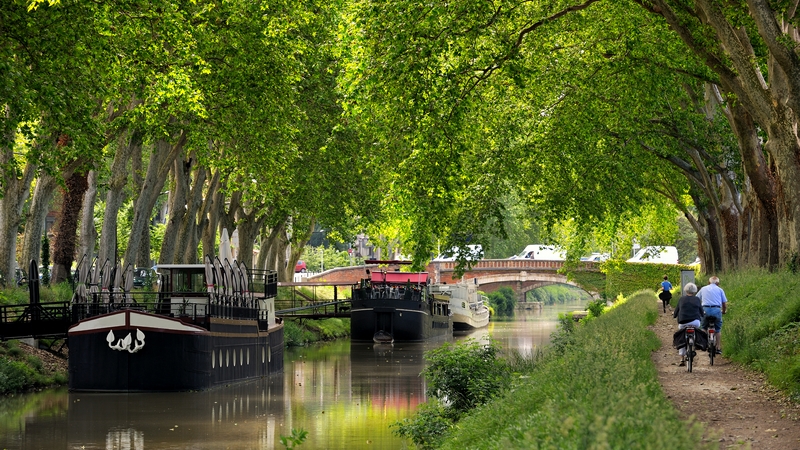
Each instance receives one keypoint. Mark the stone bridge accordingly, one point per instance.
(521, 275)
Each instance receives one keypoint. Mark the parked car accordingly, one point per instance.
(656, 254)
(300, 267)
(542, 252)
(596, 257)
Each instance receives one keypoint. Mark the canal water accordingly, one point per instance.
(346, 395)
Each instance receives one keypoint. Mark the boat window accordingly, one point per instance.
(234, 357)
(241, 357)
(263, 356)
(213, 360)
(248, 356)
(188, 281)
(227, 359)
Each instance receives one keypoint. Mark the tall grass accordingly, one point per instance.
(600, 391)
(17, 295)
(762, 325)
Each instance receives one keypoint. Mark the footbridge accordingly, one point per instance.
(521, 275)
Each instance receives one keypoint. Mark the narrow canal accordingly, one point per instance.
(345, 395)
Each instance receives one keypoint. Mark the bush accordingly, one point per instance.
(503, 301)
(15, 376)
(596, 307)
(460, 377)
(427, 427)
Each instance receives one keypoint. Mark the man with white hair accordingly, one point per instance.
(715, 304)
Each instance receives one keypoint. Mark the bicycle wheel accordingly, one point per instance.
(689, 354)
(712, 348)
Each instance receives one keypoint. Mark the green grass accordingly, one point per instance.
(762, 325)
(19, 372)
(601, 391)
(17, 295)
(303, 332)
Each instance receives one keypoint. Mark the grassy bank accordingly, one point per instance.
(21, 370)
(762, 326)
(300, 332)
(599, 390)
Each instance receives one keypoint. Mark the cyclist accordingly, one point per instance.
(665, 293)
(689, 312)
(714, 304)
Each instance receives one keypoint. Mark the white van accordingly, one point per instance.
(542, 252)
(657, 254)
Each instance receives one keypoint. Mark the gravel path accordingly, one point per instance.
(738, 409)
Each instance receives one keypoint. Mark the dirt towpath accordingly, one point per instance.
(736, 406)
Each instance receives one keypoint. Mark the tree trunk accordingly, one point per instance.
(178, 194)
(116, 196)
(188, 237)
(212, 207)
(34, 223)
(88, 231)
(67, 223)
(157, 170)
(17, 189)
(249, 225)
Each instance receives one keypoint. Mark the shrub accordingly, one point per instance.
(15, 376)
(596, 307)
(460, 377)
(296, 336)
(465, 375)
(427, 427)
(563, 336)
(503, 301)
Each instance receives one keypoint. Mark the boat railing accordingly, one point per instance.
(195, 307)
(265, 281)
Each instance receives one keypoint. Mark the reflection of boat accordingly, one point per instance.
(205, 327)
(400, 304)
(382, 337)
(466, 303)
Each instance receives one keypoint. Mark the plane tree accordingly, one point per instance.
(594, 110)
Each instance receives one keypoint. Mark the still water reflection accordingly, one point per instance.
(345, 395)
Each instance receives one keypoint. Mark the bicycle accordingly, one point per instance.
(711, 329)
(690, 337)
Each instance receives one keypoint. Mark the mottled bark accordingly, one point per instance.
(772, 101)
(213, 207)
(17, 187)
(178, 193)
(161, 160)
(116, 196)
(67, 227)
(88, 231)
(41, 203)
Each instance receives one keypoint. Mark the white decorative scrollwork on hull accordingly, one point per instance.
(129, 344)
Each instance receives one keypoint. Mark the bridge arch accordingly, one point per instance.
(521, 275)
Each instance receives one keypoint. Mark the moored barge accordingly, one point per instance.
(398, 307)
(204, 327)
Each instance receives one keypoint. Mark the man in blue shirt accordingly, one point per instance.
(714, 304)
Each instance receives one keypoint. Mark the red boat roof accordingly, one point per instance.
(399, 277)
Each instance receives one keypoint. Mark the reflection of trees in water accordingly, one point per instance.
(557, 294)
(231, 416)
